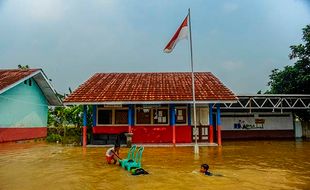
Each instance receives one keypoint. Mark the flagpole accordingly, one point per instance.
(196, 148)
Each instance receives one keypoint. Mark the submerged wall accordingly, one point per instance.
(23, 111)
(149, 134)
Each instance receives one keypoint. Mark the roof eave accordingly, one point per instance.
(47, 89)
(19, 81)
(43, 83)
(149, 102)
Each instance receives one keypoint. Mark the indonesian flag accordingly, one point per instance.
(180, 34)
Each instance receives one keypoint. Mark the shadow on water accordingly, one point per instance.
(243, 165)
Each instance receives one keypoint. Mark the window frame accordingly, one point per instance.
(186, 115)
(168, 115)
(113, 115)
(152, 115)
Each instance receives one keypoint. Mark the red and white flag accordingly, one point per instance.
(180, 34)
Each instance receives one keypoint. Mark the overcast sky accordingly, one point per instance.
(240, 41)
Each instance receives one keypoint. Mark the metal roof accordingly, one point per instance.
(270, 102)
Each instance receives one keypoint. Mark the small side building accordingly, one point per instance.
(264, 116)
(25, 95)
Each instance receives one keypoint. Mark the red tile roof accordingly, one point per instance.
(10, 76)
(150, 87)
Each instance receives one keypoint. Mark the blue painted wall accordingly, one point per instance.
(23, 106)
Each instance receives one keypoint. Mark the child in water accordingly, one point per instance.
(112, 154)
(204, 169)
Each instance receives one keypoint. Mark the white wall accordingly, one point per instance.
(278, 122)
(202, 115)
(298, 129)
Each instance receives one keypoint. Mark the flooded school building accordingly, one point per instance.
(158, 108)
(154, 107)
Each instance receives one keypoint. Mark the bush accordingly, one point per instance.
(54, 138)
(68, 134)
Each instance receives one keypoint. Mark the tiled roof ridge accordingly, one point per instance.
(152, 86)
(10, 76)
(168, 72)
(30, 69)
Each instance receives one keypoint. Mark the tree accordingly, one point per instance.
(68, 115)
(23, 67)
(294, 79)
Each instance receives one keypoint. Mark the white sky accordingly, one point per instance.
(239, 41)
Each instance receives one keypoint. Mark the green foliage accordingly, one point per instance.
(68, 134)
(67, 122)
(294, 79)
(54, 138)
(68, 115)
(23, 66)
(302, 52)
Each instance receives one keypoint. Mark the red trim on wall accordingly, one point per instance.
(15, 134)
(110, 129)
(183, 134)
(161, 134)
(257, 134)
(152, 134)
(210, 134)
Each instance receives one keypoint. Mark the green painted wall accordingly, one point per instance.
(23, 106)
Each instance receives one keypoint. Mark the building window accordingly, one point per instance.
(152, 115)
(181, 116)
(104, 117)
(160, 116)
(143, 115)
(121, 116)
(112, 116)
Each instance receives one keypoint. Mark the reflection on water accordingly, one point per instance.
(244, 165)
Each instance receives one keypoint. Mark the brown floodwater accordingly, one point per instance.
(243, 165)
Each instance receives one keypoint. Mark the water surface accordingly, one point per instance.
(244, 165)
